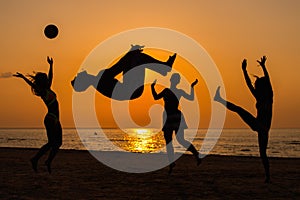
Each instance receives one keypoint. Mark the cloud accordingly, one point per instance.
(6, 75)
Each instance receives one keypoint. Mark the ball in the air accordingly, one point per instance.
(51, 31)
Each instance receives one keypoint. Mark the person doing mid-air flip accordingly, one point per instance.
(263, 93)
(133, 66)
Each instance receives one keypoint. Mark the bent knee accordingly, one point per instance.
(137, 93)
(56, 144)
(183, 141)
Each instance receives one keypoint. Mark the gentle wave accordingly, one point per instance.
(237, 142)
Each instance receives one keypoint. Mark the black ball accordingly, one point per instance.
(51, 31)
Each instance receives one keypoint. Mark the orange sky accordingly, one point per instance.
(228, 30)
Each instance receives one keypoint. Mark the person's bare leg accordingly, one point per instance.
(263, 143)
(52, 154)
(34, 160)
(248, 118)
(189, 146)
(170, 149)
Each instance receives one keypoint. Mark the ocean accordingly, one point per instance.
(234, 142)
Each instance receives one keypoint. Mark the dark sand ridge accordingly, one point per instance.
(78, 175)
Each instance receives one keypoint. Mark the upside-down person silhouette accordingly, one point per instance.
(41, 86)
(173, 117)
(132, 86)
(263, 93)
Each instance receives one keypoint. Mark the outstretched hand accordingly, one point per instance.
(244, 64)
(19, 75)
(262, 61)
(50, 60)
(194, 83)
(154, 82)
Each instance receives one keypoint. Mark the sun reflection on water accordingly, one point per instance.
(142, 140)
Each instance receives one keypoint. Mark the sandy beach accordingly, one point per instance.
(78, 175)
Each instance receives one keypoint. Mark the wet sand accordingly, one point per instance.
(78, 175)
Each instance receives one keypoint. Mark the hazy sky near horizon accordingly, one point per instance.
(229, 31)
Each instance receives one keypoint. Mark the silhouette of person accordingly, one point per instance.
(173, 117)
(41, 86)
(263, 93)
(132, 86)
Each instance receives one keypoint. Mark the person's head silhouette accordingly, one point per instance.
(81, 82)
(41, 82)
(262, 87)
(175, 79)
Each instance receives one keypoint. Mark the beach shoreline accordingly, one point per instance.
(76, 174)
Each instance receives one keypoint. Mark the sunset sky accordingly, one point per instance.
(229, 31)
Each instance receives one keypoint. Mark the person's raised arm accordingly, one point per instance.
(50, 74)
(247, 78)
(154, 93)
(20, 75)
(262, 63)
(190, 96)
